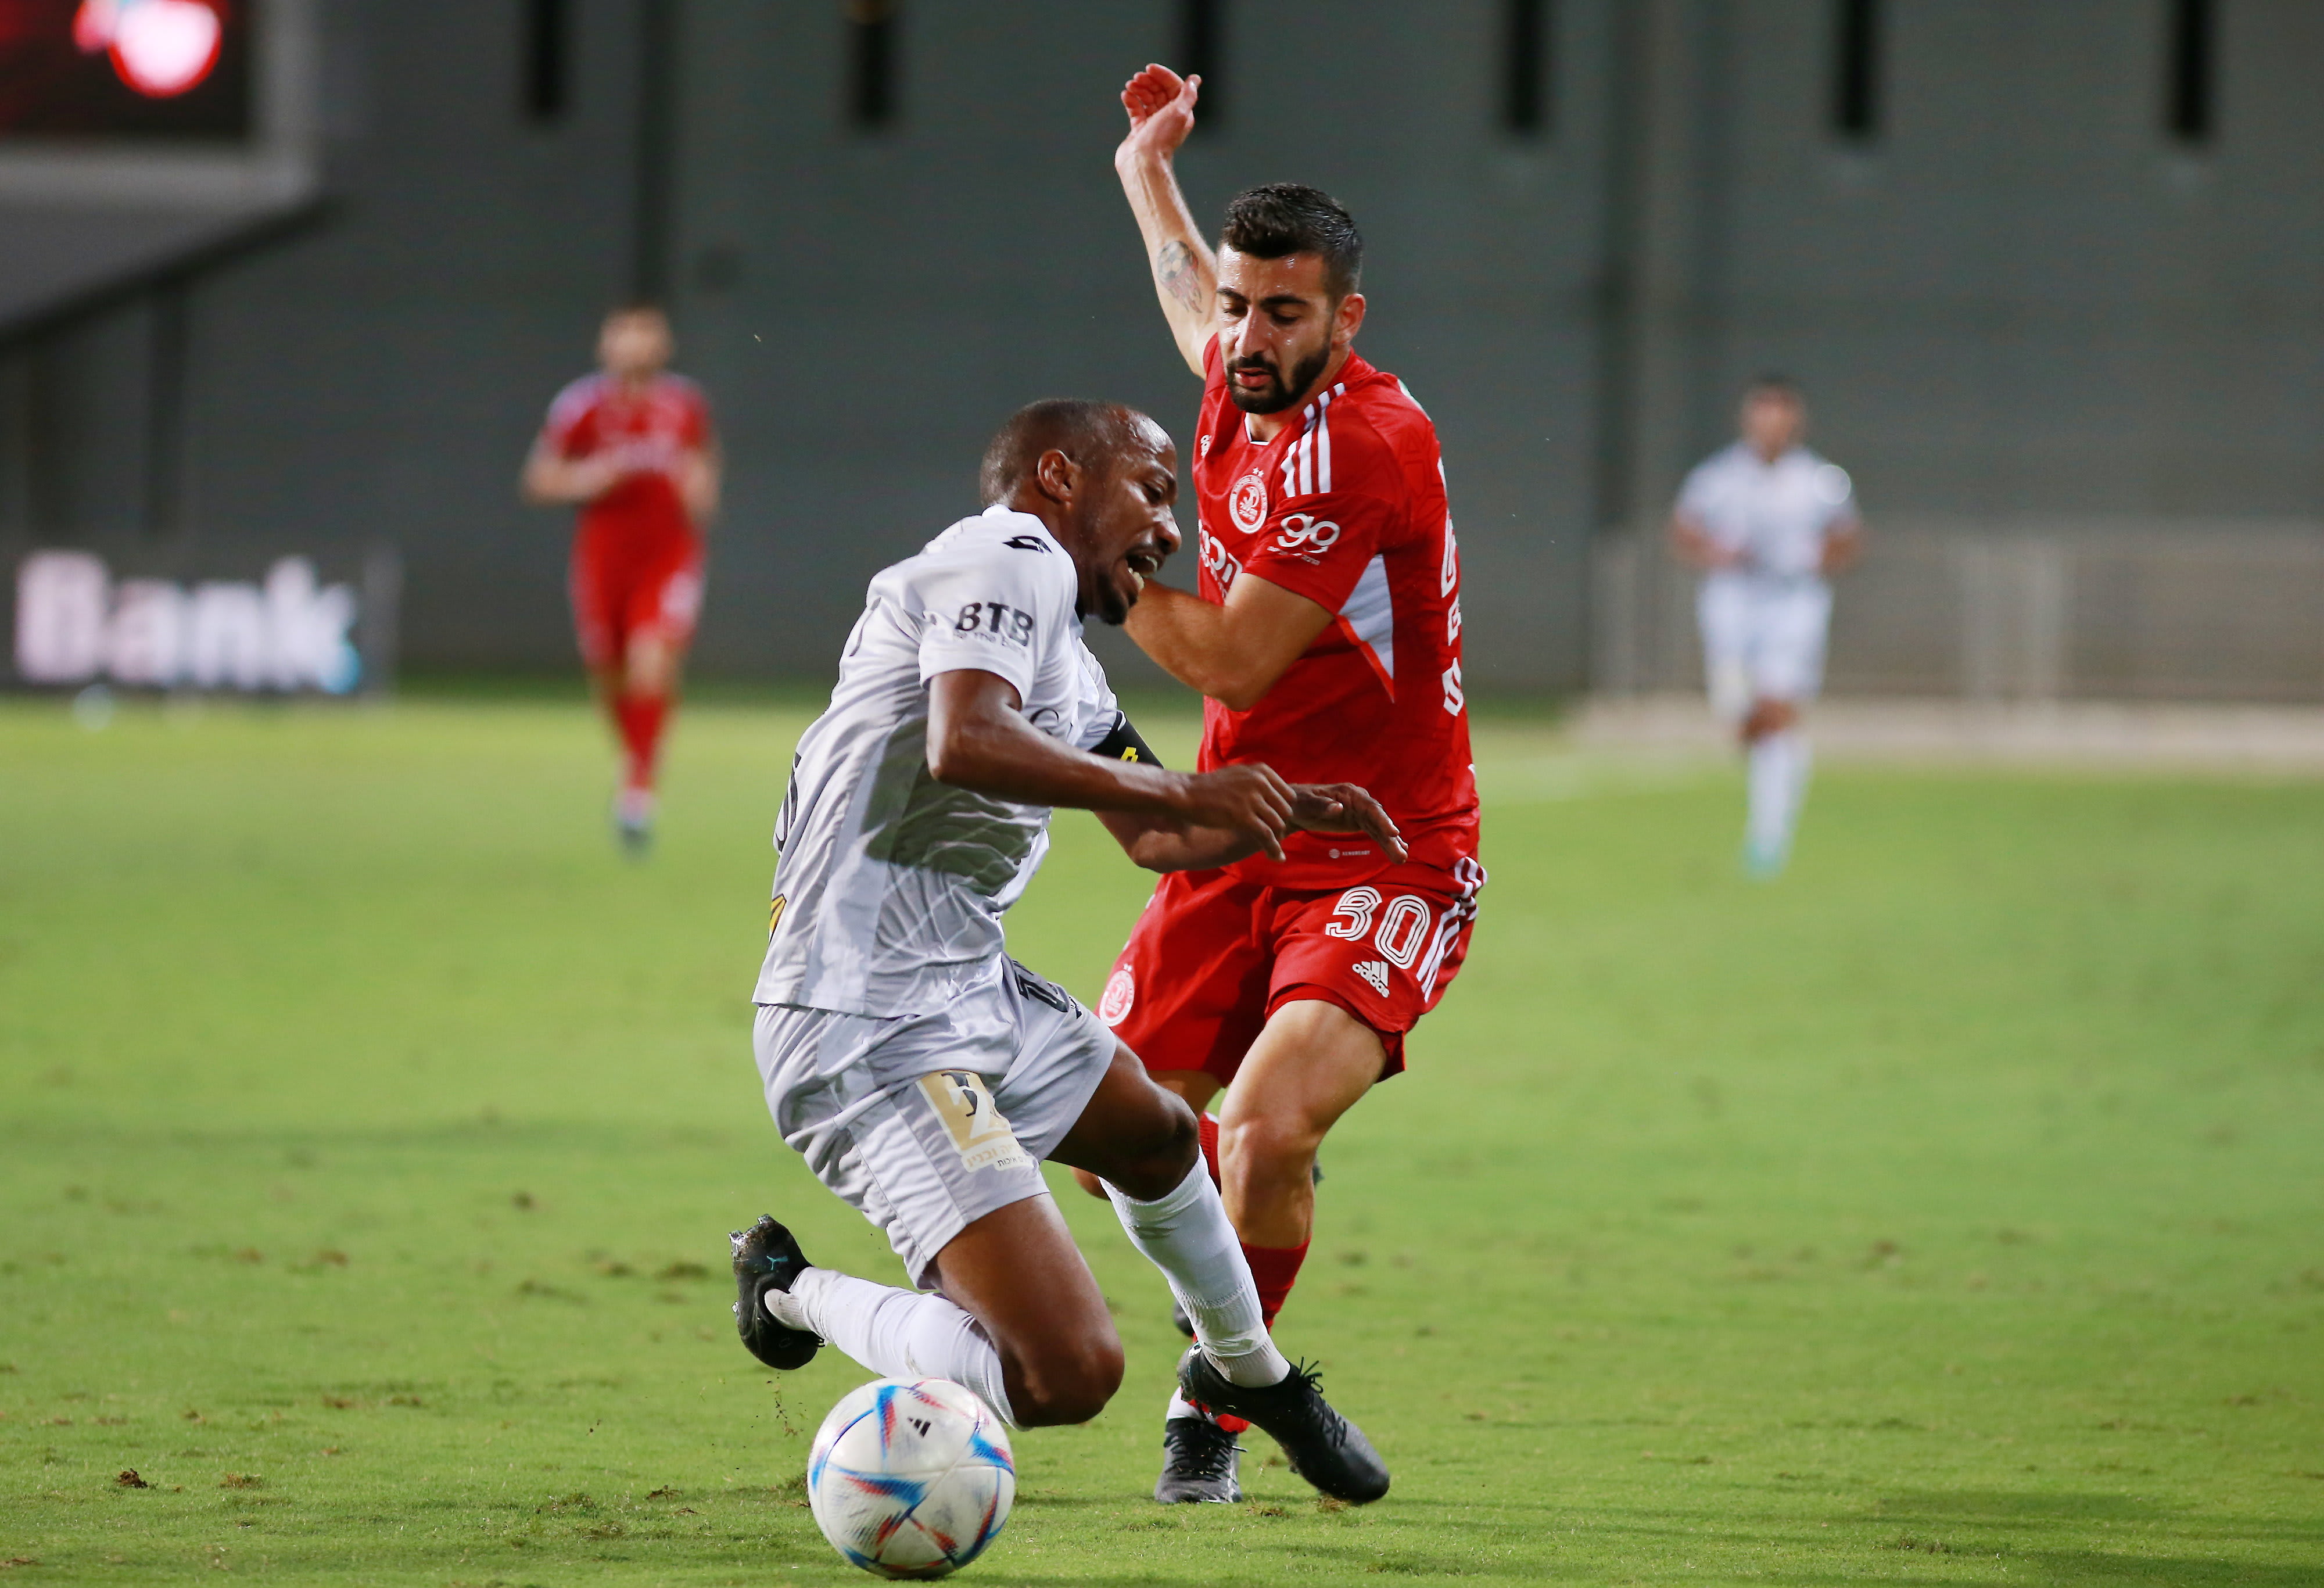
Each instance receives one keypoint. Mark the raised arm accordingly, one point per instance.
(1161, 105)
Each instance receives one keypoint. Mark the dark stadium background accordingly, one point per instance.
(2045, 268)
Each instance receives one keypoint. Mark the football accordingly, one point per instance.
(910, 1477)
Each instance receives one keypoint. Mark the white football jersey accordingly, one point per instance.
(1777, 514)
(890, 886)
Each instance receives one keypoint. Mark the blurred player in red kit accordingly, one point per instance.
(1326, 635)
(633, 448)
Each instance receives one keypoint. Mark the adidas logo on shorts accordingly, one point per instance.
(1375, 972)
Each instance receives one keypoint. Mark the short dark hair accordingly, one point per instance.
(1291, 218)
(1081, 428)
(1772, 384)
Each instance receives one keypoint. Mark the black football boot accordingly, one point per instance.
(1199, 1459)
(767, 1257)
(1322, 1446)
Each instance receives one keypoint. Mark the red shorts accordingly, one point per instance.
(626, 586)
(1215, 955)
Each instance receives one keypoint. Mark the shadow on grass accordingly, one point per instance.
(2088, 1566)
(2015, 1508)
(2189, 1553)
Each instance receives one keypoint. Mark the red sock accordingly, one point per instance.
(1207, 1124)
(641, 718)
(1274, 1268)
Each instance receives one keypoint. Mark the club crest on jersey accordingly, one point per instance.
(1247, 503)
(1121, 993)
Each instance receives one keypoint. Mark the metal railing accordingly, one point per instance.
(2190, 611)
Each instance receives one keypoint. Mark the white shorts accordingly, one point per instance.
(926, 1122)
(1763, 639)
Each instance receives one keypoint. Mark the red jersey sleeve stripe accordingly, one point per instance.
(1369, 619)
(1323, 440)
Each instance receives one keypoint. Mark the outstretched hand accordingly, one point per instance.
(1342, 808)
(1161, 105)
(1249, 801)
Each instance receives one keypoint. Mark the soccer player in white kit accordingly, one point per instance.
(1768, 522)
(922, 1073)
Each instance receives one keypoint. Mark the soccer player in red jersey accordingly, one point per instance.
(633, 448)
(1326, 635)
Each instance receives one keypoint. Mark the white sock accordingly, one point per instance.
(896, 1334)
(1779, 764)
(1186, 1235)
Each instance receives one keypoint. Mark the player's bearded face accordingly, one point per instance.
(1277, 392)
(1277, 336)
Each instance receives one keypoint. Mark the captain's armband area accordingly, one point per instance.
(1124, 744)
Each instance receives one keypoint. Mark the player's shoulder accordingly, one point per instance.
(1365, 437)
(1016, 546)
(578, 397)
(1733, 459)
(1374, 415)
(1826, 479)
(683, 389)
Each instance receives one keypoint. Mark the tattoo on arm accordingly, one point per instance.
(1174, 267)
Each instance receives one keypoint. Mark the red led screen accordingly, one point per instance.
(135, 68)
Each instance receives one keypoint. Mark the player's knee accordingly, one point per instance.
(1151, 1155)
(1269, 1147)
(1179, 1144)
(1066, 1383)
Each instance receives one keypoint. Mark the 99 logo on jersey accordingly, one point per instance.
(1304, 531)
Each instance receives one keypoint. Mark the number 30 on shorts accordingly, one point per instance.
(1402, 929)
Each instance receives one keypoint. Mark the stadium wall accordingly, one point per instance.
(2016, 295)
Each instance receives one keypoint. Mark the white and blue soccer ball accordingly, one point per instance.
(911, 1477)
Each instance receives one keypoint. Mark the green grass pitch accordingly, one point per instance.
(1950, 1212)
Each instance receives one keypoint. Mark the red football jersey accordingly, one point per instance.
(650, 432)
(1345, 506)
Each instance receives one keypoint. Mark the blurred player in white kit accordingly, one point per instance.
(1768, 522)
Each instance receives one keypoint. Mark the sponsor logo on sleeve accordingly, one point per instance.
(1305, 534)
(991, 623)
